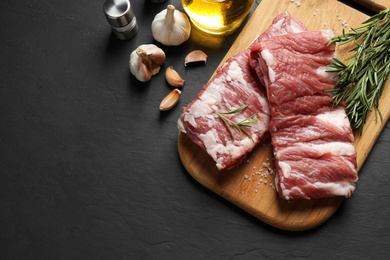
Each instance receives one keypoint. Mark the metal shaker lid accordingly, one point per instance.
(118, 12)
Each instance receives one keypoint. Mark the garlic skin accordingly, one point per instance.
(146, 61)
(171, 27)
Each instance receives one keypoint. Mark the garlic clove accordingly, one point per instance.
(195, 56)
(157, 56)
(173, 78)
(170, 100)
(146, 75)
(171, 27)
(153, 67)
(146, 61)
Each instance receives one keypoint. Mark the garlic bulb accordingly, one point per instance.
(171, 27)
(146, 61)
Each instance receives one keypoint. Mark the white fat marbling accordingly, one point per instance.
(213, 94)
(271, 74)
(267, 56)
(285, 192)
(339, 189)
(214, 146)
(180, 126)
(325, 72)
(279, 24)
(334, 148)
(336, 117)
(286, 169)
(329, 33)
(199, 108)
(234, 73)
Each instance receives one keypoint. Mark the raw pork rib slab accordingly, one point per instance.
(313, 141)
(235, 84)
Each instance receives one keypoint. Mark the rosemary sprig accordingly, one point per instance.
(360, 83)
(238, 125)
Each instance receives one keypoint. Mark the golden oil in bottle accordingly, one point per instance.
(217, 16)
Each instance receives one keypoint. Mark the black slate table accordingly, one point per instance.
(89, 167)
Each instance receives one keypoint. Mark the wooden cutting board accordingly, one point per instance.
(243, 185)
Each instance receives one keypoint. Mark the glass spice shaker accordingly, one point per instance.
(121, 17)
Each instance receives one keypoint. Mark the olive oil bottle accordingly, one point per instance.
(217, 16)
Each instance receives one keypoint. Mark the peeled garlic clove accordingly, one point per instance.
(195, 56)
(170, 100)
(146, 61)
(173, 78)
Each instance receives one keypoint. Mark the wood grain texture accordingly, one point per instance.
(242, 185)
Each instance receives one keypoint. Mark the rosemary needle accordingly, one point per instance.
(238, 125)
(360, 83)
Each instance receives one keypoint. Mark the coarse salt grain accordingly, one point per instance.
(246, 176)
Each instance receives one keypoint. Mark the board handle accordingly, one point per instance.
(371, 5)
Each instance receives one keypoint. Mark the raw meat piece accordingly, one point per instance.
(313, 142)
(283, 24)
(235, 84)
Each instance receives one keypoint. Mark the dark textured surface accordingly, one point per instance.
(89, 165)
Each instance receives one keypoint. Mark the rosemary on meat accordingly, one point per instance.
(360, 83)
(238, 125)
